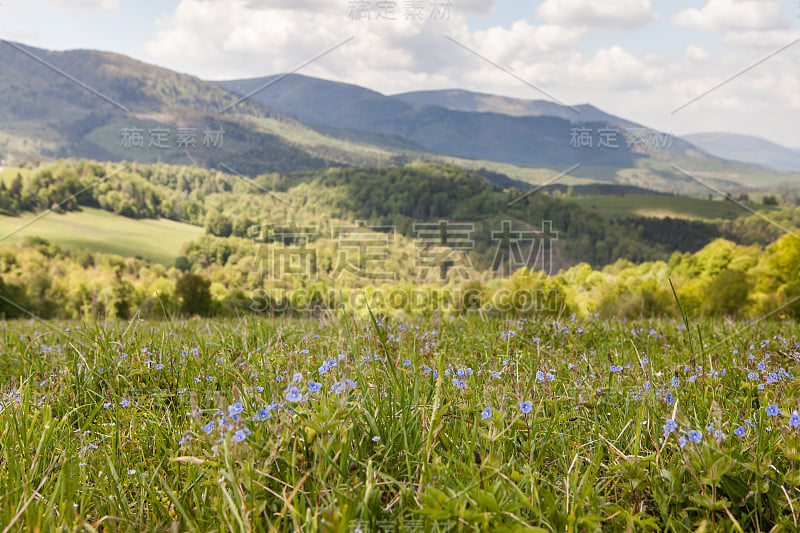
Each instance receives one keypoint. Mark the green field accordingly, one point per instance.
(431, 425)
(157, 240)
(661, 206)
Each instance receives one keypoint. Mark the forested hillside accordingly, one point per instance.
(475, 227)
(399, 197)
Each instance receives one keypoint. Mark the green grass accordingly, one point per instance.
(119, 426)
(157, 240)
(660, 206)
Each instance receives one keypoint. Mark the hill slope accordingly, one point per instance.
(101, 231)
(542, 141)
(460, 100)
(748, 149)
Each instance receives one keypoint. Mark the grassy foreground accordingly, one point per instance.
(437, 424)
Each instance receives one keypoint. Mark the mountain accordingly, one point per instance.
(541, 140)
(747, 149)
(477, 135)
(83, 103)
(108, 107)
(460, 100)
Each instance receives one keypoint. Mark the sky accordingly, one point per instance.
(644, 60)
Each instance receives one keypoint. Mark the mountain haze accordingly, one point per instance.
(460, 100)
(747, 149)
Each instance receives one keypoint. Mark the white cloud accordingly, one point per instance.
(606, 14)
(616, 69)
(93, 5)
(224, 39)
(765, 39)
(218, 39)
(523, 39)
(734, 15)
(696, 53)
(459, 7)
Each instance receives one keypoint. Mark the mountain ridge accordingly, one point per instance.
(747, 149)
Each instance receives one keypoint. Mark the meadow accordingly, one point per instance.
(100, 231)
(437, 423)
(610, 206)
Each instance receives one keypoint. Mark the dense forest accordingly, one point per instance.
(733, 267)
(42, 279)
(228, 204)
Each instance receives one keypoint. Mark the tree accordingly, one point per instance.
(727, 293)
(193, 294)
(16, 187)
(241, 226)
(182, 264)
(770, 200)
(219, 225)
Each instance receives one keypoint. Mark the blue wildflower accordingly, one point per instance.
(773, 410)
(208, 428)
(294, 395)
(313, 386)
(794, 420)
(695, 436)
(669, 427)
(240, 435)
(487, 413)
(740, 432)
(526, 406)
(235, 409)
